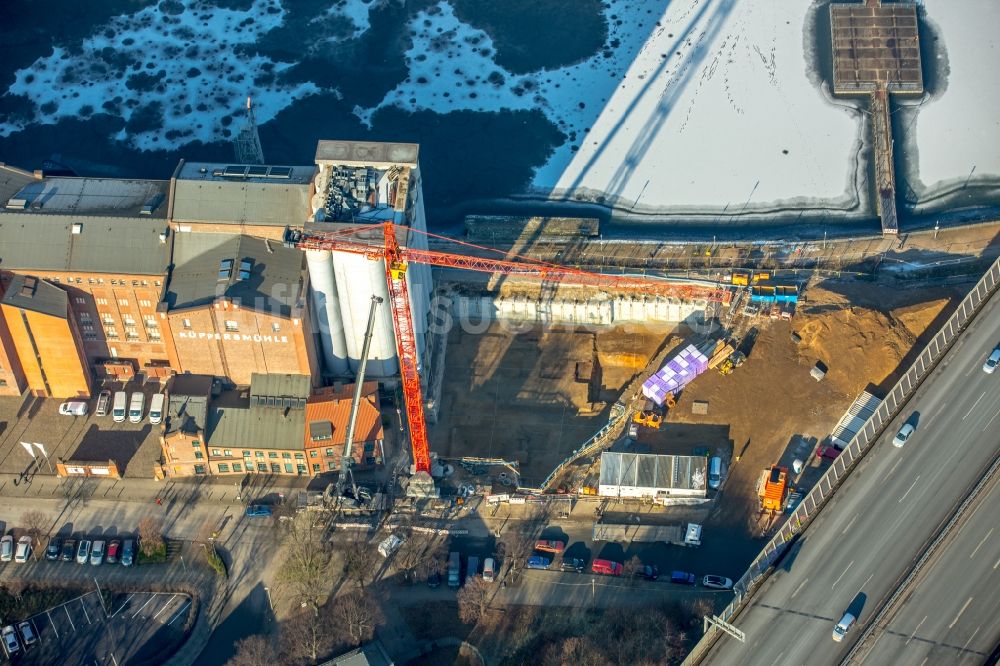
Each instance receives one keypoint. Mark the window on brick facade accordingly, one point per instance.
(128, 320)
(89, 336)
(331, 466)
(223, 467)
(288, 468)
(316, 468)
(187, 323)
(261, 467)
(286, 455)
(135, 283)
(123, 302)
(216, 452)
(156, 283)
(300, 456)
(153, 334)
(301, 469)
(195, 442)
(272, 454)
(276, 327)
(199, 469)
(87, 328)
(145, 304)
(246, 454)
(275, 468)
(259, 454)
(227, 452)
(107, 319)
(329, 452)
(313, 454)
(101, 301)
(198, 455)
(111, 333)
(84, 316)
(232, 325)
(237, 467)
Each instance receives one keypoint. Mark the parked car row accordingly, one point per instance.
(19, 552)
(25, 631)
(121, 406)
(606, 567)
(95, 552)
(472, 570)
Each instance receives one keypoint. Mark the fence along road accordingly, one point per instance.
(942, 434)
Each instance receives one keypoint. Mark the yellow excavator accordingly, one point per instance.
(735, 360)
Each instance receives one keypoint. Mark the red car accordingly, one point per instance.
(607, 567)
(828, 452)
(550, 546)
(113, 549)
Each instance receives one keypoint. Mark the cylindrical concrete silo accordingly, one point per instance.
(326, 311)
(360, 279)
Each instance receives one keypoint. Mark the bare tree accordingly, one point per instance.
(632, 567)
(474, 600)
(253, 651)
(307, 562)
(574, 651)
(150, 535)
(36, 523)
(420, 555)
(308, 635)
(514, 547)
(359, 558)
(356, 616)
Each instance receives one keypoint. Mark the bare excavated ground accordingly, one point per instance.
(867, 334)
(518, 394)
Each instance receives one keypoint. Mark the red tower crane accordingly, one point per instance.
(397, 258)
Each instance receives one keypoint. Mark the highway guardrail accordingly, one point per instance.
(869, 433)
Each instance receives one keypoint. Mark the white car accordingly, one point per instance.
(73, 408)
(717, 582)
(992, 362)
(904, 434)
(23, 549)
(6, 548)
(843, 627)
(10, 643)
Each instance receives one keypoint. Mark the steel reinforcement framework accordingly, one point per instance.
(760, 568)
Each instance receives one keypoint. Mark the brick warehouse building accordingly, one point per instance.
(236, 306)
(41, 329)
(103, 242)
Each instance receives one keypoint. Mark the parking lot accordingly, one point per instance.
(133, 446)
(134, 628)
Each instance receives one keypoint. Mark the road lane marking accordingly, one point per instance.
(127, 599)
(972, 636)
(893, 468)
(179, 613)
(960, 611)
(867, 580)
(973, 406)
(842, 575)
(169, 601)
(69, 617)
(148, 601)
(52, 624)
(996, 564)
(853, 519)
(915, 630)
(908, 489)
(991, 421)
(778, 659)
(799, 588)
(981, 543)
(85, 613)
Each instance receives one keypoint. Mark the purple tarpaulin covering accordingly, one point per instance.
(676, 374)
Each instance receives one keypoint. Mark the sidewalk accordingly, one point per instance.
(221, 491)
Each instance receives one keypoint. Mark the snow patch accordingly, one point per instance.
(701, 103)
(173, 76)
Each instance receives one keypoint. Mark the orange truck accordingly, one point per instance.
(773, 488)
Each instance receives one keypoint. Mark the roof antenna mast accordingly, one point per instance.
(247, 141)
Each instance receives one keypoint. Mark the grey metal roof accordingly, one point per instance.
(366, 153)
(187, 406)
(370, 654)
(12, 180)
(280, 385)
(111, 197)
(235, 422)
(203, 194)
(653, 471)
(31, 293)
(132, 246)
(272, 282)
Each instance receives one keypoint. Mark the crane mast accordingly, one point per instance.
(347, 460)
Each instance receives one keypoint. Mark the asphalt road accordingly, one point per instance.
(877, 524)
(952, 616)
